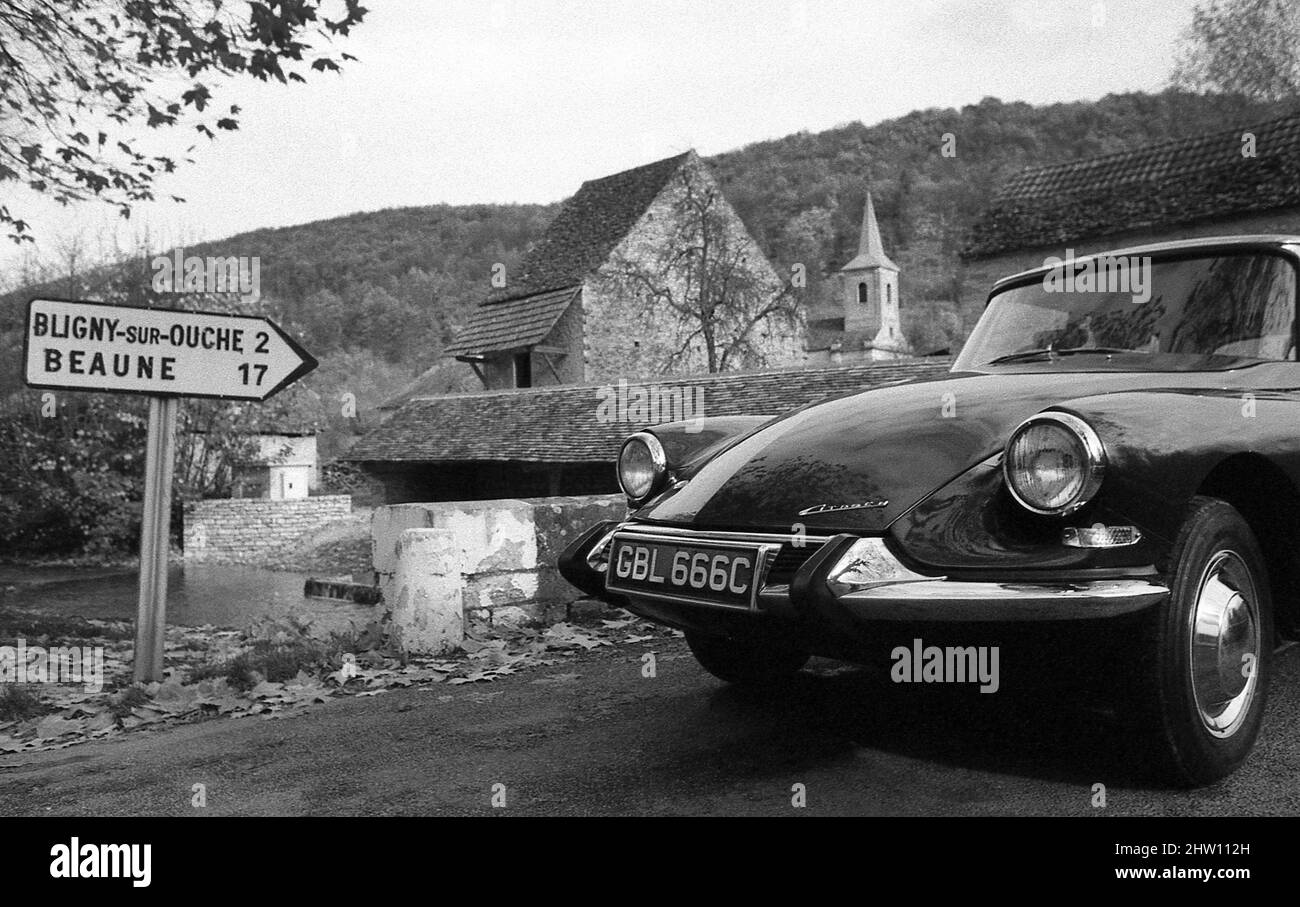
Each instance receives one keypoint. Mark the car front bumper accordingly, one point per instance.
(849, 579)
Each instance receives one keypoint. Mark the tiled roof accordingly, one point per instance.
(1171, 183)
(501, 326)
(579, 240)
(589, 226)
(559, 424)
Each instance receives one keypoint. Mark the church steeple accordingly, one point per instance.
(871, 251)
(870, 283)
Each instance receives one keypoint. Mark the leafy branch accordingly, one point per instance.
(81, 80)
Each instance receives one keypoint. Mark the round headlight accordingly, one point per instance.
(1054, 463)
(642, 466)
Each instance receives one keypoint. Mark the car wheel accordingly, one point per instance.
(748, 660)
(1209, 650)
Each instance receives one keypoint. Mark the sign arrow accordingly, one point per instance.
(91, 346)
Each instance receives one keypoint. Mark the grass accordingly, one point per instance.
(278, 660)
(18, 703)
(121, 704)
(15, 625)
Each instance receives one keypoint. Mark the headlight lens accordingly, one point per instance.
(1054, 463)
(642, 466)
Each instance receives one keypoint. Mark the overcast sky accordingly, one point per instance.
(521, 100)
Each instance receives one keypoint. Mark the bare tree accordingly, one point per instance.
(73, 254)
(704, 281)
(1248, 47)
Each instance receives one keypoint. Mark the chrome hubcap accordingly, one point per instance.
(1225, 644)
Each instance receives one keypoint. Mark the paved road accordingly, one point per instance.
(610, 741)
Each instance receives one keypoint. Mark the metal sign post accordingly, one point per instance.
(165, 354)
(155, 536)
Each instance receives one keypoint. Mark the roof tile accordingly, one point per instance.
(589, 226)
(1171, 183)
(579, 239)
(501, 326)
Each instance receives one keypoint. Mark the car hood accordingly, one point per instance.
(856, 463)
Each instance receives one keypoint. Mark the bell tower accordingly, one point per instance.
(871, 290)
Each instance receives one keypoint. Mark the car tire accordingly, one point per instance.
(746, 660)
(1208, 649)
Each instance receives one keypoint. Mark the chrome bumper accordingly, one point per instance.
(944, 600)
(859, 579)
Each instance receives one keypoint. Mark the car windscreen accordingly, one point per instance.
(1213, 309)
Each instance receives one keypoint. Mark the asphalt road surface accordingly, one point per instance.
(593, 736)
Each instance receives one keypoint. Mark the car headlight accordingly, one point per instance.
(1053, 463)
(642, 466)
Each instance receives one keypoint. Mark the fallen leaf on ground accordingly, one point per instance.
(54, 726)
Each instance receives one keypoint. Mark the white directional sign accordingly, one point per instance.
(88, 346)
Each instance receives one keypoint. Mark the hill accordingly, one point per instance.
(802, 195)
(376, 295)
(434, 260)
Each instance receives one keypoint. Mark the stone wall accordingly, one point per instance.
(442, 565)
(629, 334)
(254, 531)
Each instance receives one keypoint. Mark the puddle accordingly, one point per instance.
(219, 594)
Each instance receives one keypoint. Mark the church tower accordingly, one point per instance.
(870, 291)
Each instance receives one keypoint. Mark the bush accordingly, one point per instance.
(341, 478)
(18, 703)
(278, 651)
(121, 704)
(71, 481)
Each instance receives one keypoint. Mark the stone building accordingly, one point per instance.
(276, 460)
(280, 467)
(1232, 182)
(863, 324)
(594, 299)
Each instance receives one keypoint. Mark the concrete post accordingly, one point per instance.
(424, 594)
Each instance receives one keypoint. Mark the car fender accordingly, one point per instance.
(1161, 447)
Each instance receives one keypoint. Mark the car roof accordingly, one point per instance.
(1251, 241)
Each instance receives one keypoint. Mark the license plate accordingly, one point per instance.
(708, 573)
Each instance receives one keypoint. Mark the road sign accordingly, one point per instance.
(89, 346)
(165, 353)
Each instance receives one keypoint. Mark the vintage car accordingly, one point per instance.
(1118, 440)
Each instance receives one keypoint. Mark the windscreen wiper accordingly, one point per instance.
(1050, 353)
